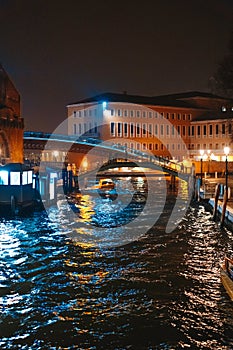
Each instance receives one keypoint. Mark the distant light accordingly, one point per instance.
(202, 152)
(226, 150)
(224, 109)
(104, 105)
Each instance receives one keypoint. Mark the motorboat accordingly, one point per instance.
(106, 188)
(106, 184)
(226, 274)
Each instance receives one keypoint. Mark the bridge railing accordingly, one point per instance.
(124, 150)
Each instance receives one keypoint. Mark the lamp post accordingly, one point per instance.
(208, 153)
(201, 153)
(226, 151)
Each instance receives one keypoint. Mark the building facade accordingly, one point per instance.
(176, 126)
(11, 122)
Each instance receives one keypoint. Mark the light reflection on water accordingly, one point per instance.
(160, 292)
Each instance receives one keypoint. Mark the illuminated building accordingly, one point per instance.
(11, 122)
(175, 126)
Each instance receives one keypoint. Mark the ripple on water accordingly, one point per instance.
(160, 292)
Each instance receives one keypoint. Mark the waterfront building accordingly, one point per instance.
(11, 122)
(176, 126)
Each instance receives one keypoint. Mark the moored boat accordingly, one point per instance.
(226, 274)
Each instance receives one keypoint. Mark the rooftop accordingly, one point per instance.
(183, 100)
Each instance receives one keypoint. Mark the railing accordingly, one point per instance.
(131, 153)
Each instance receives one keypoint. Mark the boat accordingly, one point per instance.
(226, 274)
(106, 189)
(106, 184)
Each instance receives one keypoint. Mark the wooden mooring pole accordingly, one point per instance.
(216, 198)
(224, 206)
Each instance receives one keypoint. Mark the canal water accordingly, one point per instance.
(160, 291)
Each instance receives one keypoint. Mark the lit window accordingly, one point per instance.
(15, 178)
(3, 177)
(25, 178)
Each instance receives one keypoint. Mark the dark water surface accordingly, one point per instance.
(162, 291)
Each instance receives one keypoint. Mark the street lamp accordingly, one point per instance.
(208, 153)
(201, 153)
(226, 151)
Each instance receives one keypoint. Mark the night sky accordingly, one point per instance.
(58, 52)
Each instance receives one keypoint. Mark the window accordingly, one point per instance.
(150, 114)
(230, 128)
(168, 130)
(90, 112)
(125, 129)
(173, 130)
(125, 113)
(74, 114)
(198, 130)
(131, 129)
(150, 146)
(85, 113)
(178, 129)
(184, 116)
(216, 129)
(210, 129)
(179, 116)
(119, 112)
(204, 130)
(167, 115)
(113, 129)
(138, 130)
(112, 112)
(161, 129)
(119, 129)
(144, 114)
(150, 129)
(223, 129)
(80, 114)
(138, 114)
(156, 129)
(184, 130)
(131, 113)
(75, 129)
(144, 129)
(80, 129)
(193, 130)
